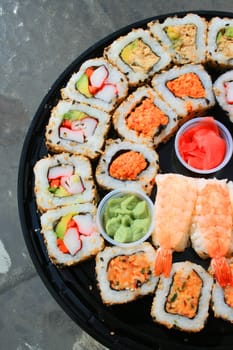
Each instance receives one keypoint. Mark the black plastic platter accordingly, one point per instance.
(126, 326)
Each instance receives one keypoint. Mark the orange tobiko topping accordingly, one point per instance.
(187, 84)
(146, 118)
(127, 166)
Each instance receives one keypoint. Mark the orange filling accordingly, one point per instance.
(146, 118)
(228, 292)
(127, 166)
(184, 294)
(187, 84)
(128, 271)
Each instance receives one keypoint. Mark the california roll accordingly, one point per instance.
(77, 128)
(97, 83)
(63, 179)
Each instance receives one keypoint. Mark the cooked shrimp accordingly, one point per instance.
(211, 234)
(174, 205)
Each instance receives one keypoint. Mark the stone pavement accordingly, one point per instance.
(39, 39)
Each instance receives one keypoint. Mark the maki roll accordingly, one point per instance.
(138, 55)
(220, 42)
(97, 83)
(188, 90)
(223, 89)
(182, 300)
(184, 37)
(145, 118)
(63, 179)
(77, 128)
(222, 300)
(70, 234)
(127, 165)
(124, 274)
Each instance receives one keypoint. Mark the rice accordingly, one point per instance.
(155, 135)
(113, 86)
(220, 45)
(186, 105)
(144, 180)
(138, 55)
(222, 308)
(81, 172)
(185, 37)
(94, 127)
(111, 292)
(223, 89)
(163, 303)
(91, 244)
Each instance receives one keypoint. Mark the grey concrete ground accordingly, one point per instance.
(38, 40)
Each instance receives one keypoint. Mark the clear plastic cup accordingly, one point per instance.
(101, 209)
(225, 134)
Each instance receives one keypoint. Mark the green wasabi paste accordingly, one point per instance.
(126, 218)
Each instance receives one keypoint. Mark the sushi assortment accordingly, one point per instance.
(104, 133)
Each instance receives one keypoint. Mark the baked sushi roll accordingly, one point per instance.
(222, 300)
(70, 234)
(145, 118)
(125, 274)
(97, 83)
(188, 89)
(185, 37)
(138, 55)
(127, 165)
(77, 128)
(223, 89)
(220, 42)
(63, 179)
(182, 300)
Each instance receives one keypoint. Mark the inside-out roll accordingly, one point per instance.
(138, 55)
(223, 89)
(77, 128)
(184, 37)
(124, 274)
(222, 300)
(220, 42)
(145, 118)
(127, 165)
(188, 89)
(63, 179)
(97, 83)
(182, 300)
(70, 234)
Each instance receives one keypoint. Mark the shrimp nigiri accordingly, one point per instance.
(211, 232)
(174, 205)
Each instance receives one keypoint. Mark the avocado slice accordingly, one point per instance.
(82, 86)
(74, 114)
(127, 51)
(229, 32)
(61, 227)
(172, 33)
(61, 192)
